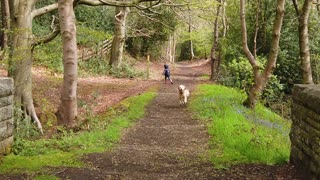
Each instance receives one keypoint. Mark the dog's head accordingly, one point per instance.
(181, 88)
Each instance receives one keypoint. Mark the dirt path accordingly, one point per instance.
(168, 144)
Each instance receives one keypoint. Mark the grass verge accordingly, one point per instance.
(240, 135)
(66, 149)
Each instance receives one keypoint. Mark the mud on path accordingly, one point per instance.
(167, 144)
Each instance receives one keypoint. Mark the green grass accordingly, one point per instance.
(238, 134)
(66, 149)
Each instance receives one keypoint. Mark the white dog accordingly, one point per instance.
(183, 94)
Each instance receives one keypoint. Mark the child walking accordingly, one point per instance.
(166, 73)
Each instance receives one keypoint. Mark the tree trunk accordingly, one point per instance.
(213, 56)
(171, 48)
(256, 30)
(304, 43)
(5, 23)
(174, 43)
(190, 32)
(67, 112)
(21, 57)
(223, 14)
(119, 36)
(261, 78)
(264, 23)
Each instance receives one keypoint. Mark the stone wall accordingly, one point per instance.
(305, 131)
(6, 115)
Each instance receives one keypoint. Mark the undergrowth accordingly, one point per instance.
(65, 148)
(240, 135)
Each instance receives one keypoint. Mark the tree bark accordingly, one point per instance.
(190, 32)
(304, 42)
(119, 36)
(213, 56)
(171, 48)
(256, 30)
(21, 57)
(67, 112)
(5, 23)
(223, 14)
(261, 78)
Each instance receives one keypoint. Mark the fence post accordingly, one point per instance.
(148, 67)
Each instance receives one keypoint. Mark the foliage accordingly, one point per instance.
(185, 51)
(201, 40)
(126, 70)
(100, 66)
(65, 148)
(100, 18)
(148, 32)
(49, 55)
(239, 74)
(261, 136)
(94, 66)
(89, 37)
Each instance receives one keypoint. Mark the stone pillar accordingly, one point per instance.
(6, 115)
(305, 130)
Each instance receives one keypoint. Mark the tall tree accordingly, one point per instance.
(214, 58)
(171, 48)
(256, 29)
(5, 23)
(261, 76)
(22, 12)
(118, 36)
(190, 30)
(67, 112)
(303, 15)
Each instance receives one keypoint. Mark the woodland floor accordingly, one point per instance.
(166, 144)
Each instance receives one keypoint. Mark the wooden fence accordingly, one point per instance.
(100, 51)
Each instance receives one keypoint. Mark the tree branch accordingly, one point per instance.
(55, 32)
(148, 7)
(113, 2)
(38, 12)
(245, 47)
(295, 5)
(46, 39)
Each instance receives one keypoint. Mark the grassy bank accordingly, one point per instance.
(238, 134)
(66, 148)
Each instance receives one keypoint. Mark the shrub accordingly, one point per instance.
(239, 74)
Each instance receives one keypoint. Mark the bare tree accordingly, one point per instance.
(119, 36)
(261, 76)
(303, 15)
